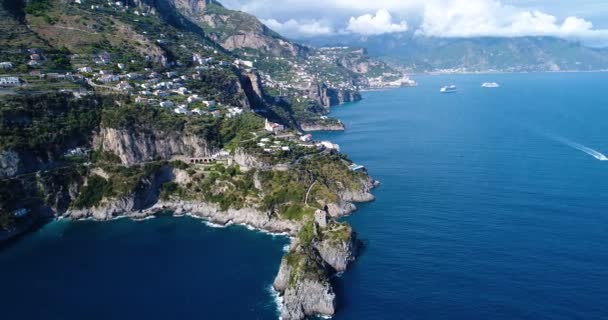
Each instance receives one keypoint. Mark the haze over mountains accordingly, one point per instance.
(477, 54)
(450, 35)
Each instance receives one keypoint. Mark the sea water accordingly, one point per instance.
(493, 204)
(162, 268)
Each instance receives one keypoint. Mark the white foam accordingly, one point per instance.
(594, 153)
(277, 298)
(211, 224)
(144, 218)
(216, 225)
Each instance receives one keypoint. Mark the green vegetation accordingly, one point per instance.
(167, 189)
(307, 233)
(304, 264)
(234, 131)
(93, 192)
(121, 181)
(38, 8)
(142, 118)
(46, 123)
(338, 232)
(219, 84)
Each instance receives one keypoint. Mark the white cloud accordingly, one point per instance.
(474, 18)
(293, 28)
(440, 18)
(382, 22)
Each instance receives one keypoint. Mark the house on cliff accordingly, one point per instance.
(273, 127)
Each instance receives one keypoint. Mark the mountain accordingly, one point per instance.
(236, 30)
(522, 54)
(142, 34)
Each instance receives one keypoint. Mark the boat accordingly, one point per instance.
(449, 89)
(490, 85)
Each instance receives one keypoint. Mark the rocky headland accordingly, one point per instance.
(320, 245)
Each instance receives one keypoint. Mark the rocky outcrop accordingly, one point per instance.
(303, 279)
(134, 147)
(247, 161)
(145, 202)
(9, 163)
(132, 205)
(320, 126)
(235, 30)
(251, 85)
(303, 282)
(329, 97)
(339, 246)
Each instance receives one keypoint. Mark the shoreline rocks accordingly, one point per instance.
(303, 279)
(312, 127)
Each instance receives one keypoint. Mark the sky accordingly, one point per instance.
(585, 20)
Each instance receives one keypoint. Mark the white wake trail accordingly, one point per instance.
(594, 153)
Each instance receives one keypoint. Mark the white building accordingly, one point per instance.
(86, 69)
(9, 81)
(209, 103)
(244, 63)
(167, 104)
(193, 98)
(106, 78)
(306, 138)
(329, 145)
(181, 110)
(273, 127)
(6, 65)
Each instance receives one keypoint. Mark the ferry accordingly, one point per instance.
(490, 85)
(448, 89)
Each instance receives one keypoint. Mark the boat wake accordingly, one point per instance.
(594, 153)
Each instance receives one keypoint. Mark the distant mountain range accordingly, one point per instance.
(522, 54)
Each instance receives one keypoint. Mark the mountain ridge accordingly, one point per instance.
(482, 54)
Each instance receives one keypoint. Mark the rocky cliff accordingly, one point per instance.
(303, 279)
(236, 30)
(321, 126)
(329, 97)
(134, 147)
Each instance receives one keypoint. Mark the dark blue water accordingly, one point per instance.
(483, 212)
(487, 211)
(163, 268)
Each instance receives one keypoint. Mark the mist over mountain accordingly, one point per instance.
(481, 54)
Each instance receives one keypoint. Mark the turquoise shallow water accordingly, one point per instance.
(490, 208)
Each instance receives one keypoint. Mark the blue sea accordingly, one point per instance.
(493, 205)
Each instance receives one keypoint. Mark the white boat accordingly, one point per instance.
(490, 85)
(449, 89)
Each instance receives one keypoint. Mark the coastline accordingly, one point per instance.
(327, 247)
(439, 73)
(309, 298)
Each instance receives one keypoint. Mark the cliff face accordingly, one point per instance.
(304, 275)
(236, 30)
(303, 281)
(329, 97)
(310, 127)
(134, 147)
(251, 85)
(339, 246)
